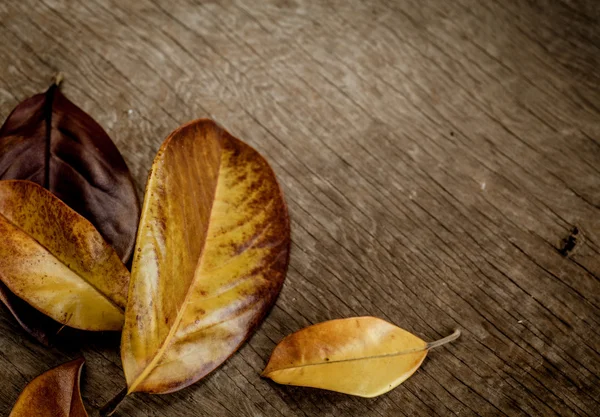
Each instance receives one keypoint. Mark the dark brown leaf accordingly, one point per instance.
(52, 142)
(75, 160)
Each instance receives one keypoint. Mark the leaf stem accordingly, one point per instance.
(438, 343)
(57, 79)
(111, 406)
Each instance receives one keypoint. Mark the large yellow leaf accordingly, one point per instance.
(54, 393)
(210, 258)
(54, 259)
(363, 356)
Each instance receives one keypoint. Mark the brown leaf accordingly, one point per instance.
(210, 258)
(50, 141)
(57, 261)
(54, 393)
(363, 356)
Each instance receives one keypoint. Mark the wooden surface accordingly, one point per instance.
(440, 159)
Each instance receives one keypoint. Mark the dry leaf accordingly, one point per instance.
(54, 393)
(50, 141)
(363, 356)
(57, 261)
(210, 258)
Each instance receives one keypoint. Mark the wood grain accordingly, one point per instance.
(441, 163)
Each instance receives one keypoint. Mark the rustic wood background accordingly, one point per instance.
(441, 161)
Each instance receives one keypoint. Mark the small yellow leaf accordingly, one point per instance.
(210, 258)
(56, 260)
(54, 393)
(363, 356)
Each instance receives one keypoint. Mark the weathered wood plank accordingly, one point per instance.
(437, 158)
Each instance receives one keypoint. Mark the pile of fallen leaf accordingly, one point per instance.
(209, 251)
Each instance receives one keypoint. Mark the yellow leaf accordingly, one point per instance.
(363, 356)
(210, 258)
(57, 261)
(54, 393)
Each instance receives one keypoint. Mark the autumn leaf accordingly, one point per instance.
(210, 258)
(54, 393)
(50, 141)
(57, 262)
(363, 356)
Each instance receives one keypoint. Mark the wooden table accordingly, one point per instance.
(440, 159)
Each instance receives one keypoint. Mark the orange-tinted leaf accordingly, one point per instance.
(54, 393)
(363, 356)
(57, 261)
(210, 258)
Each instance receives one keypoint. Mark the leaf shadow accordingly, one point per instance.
(70, 340)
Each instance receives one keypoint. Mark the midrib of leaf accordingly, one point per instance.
(66, 266)
(48, 121)
(427, 347)
(360, 358)
(166, 342)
